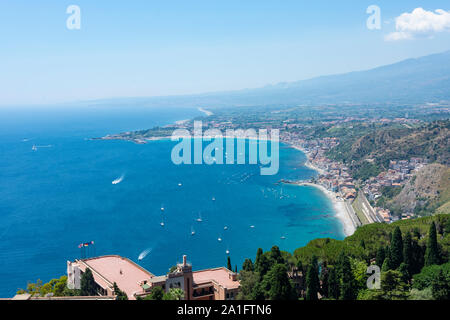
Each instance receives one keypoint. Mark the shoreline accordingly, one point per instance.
(339, 207)
(339, 204)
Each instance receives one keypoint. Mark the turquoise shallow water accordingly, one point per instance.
(55, 198)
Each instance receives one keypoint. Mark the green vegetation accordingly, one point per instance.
(410, 253)
(55, 287)
(88, 287)
(120, 295)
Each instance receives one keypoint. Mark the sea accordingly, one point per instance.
(61, 194)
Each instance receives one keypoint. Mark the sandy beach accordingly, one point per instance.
(339, 207)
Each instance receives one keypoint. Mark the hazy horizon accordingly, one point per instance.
(147, 50)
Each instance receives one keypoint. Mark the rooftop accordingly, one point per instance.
(222, 276)
(127, 274)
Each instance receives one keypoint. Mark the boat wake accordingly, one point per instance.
(144, 254)
(118, 180)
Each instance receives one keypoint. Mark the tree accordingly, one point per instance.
(396, 256)
(324, 278)
(120, 295)
(263, 266)
(87, 284)
(229, 267)
(381, 255)
(347, 280)
(275, 255)
(248, 265)
(392, 285)
(441, 287)
(407, 252)
(259, 254)
(417, 257)
(249, 281)
(432, 251)
(174, 294)
(386, 265)
(312, 280)
(403, 269)
(277, 285)
(157, 293)
(333, 286)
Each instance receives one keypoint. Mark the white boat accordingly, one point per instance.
(213, 199)
(199, 219)
(162, 209)
(180, 184)
(219, 239)
(252, 227)
(34, 148)
(192, 231)
(282, 237)
(227, 252)
(225, 228)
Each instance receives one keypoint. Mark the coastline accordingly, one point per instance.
(339, 208)
(338, 203)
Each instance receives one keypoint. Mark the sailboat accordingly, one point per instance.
(192, 231)
(34, 148)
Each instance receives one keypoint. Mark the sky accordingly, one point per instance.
(142, 48)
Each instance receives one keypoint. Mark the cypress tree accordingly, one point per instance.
(325, 278)
(396, 256)
(333, 284)
(407, 252)
(417, 257)
(259, 254)
(348, 288)
(381, 255)
(312, 280)
(432, 251)
(247, 265)
(87, 284)
(229, 267)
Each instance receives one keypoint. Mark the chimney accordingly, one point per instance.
(184, 260)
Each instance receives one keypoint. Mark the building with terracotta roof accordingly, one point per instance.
(135, 281)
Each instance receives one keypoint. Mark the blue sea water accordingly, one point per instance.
(55, 198)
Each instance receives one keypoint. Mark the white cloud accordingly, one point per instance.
(420, 22)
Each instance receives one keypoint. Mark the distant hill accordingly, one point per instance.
(421, 80)
(431, 141)
(427, 192)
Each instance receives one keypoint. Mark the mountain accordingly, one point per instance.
(421, 80)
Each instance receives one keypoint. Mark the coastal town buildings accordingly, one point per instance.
(135, 281)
